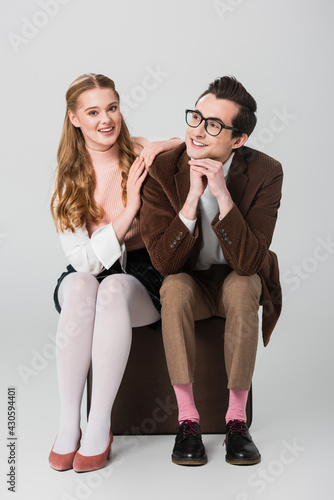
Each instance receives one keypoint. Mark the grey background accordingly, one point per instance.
(162, 55)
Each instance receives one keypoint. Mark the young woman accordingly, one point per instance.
(110, 285)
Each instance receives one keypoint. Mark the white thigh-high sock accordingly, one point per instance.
(77, 297)
(122, 303)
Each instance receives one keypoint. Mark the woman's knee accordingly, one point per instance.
(78, 283)
(114, 289)
(79, 280)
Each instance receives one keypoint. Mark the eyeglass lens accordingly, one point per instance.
(213, 127)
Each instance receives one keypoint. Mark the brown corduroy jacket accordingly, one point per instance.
(245, 233)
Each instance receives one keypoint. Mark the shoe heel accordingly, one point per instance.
(111, 438)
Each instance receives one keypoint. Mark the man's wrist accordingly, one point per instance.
(225, 206)
(189, 209)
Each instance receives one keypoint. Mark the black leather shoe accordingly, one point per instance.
(240, 449)
(188, 448)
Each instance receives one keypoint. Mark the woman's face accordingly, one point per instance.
(99, 118)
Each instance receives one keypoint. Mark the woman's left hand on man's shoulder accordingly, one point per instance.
(146, 150)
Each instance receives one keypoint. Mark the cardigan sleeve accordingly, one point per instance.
(95, 253)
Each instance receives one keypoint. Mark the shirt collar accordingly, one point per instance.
(227, 164)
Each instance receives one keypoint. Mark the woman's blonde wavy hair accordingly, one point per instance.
(73, 203)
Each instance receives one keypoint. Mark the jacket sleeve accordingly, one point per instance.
(167, 239)
(93, 254)
(245, 239)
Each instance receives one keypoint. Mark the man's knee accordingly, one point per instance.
(242, 289)
(177, 288)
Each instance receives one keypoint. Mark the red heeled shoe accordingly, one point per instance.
(84, 463)
(62, 462)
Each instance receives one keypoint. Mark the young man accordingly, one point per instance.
(208, 215)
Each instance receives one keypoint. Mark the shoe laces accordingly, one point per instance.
(236, 426)
(189, 427)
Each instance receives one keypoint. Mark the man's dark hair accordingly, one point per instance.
(228, 87)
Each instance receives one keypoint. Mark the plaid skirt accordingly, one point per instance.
(138, 265)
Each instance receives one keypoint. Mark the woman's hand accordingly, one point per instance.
(137, 175)
(149, 152)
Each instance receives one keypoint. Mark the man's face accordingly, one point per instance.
(200, 144)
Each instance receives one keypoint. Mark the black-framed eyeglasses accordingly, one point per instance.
(213, 126)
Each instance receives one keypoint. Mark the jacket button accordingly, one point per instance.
(181, 234)
(172, 245)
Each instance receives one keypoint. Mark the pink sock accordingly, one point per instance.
(237, 405)
(185, 402)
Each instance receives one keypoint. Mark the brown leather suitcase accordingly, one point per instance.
(146, 404)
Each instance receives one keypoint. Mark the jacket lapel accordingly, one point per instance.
(182, 178)
(182, 182)
(237, 179)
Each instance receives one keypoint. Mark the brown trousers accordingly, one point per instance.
(221, 292)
